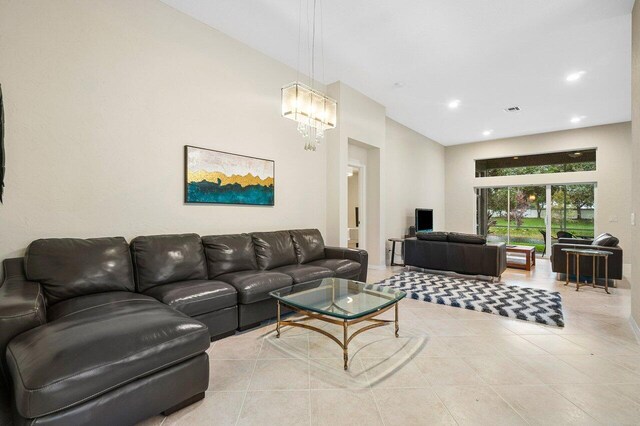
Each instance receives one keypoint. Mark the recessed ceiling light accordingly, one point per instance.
(576, 119)
(575, 76)
(454, 104)
(487, 132)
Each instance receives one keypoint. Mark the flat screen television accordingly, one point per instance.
(424, 220)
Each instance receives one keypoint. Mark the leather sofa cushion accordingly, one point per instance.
(432, 236)
(72, 267)
(229, 253)
(195, 297)
(344, 268)
(304, 273)
(162, 259)
(77, 304)
(274, 249)
(254, 286)
(85, 354)
(308, 243)
(605, 240)
(455, 237)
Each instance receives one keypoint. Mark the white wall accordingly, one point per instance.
(415, 177)
(101, 96)
(613, 174)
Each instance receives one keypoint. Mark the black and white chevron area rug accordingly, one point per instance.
(523, 303)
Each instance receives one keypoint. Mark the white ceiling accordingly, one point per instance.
(489, 54)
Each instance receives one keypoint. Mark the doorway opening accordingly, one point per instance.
(355, 205)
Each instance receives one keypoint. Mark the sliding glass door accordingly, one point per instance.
(535, 215)
(572, 211)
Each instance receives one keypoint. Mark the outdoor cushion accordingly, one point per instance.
(308, 243)
(344, 268)
(90, 352)
(195, 297)
(304, 273)
(254, 286)
(72, 267)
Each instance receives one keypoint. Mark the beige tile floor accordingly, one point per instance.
(449, 366)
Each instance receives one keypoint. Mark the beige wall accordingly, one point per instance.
(101, 96)
(100, 100)
(415, 178)
(613, 174)
(635, 190)
(361, 122)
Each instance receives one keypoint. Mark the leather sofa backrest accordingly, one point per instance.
(456, 237)
(274, 249)
(229, 253)
(308, 244)
(432, 236)
(163, 259)
(605, 240)
(71, 267)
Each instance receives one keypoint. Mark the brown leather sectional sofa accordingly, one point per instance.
(99, 331)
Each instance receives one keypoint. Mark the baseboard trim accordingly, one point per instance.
(635, 328)
(378, 267)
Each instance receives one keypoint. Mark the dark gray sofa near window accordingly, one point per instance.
(602, 242)
(465, 254)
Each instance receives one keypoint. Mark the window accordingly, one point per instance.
(526, 216)
(556, 162)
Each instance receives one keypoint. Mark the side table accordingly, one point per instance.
(594, 254)
(393, 251)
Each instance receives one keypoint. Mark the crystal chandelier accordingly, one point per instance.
(310, 108)
(313, 110)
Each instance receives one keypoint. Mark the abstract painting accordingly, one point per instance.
(223, 178)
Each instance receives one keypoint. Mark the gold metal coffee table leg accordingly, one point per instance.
(397, 327)
(345, 343)
(346, 339)
(278, 323)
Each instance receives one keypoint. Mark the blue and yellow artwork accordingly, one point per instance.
(223, 178)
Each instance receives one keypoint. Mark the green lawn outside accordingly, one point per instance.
(529, 233)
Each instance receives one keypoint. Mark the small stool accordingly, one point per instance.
(393, 251)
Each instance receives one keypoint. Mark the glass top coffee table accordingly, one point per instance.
(341, 302)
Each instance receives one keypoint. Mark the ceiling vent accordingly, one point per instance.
(512, 109)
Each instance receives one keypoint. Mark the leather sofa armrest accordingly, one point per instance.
(357, 255)
(501, 258)
(22, 306)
